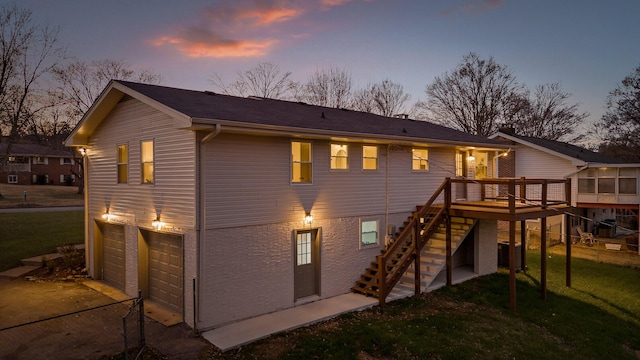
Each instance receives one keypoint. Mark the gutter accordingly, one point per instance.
(200, 217)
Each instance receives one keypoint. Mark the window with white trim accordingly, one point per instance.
(123, 163)
(587, 181)
(368, 232)
(301, 165)
(66, 161)
(420, 159)
(12, 179)
(40, 160)
(607, 181)
(339, 157)
(627, 182)
(369, 157)
(146, 157)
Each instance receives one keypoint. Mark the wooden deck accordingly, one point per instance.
(501, 210)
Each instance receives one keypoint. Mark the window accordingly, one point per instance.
(303, 251)
(420, 159)
(146, 157)
(40, 160)
(12, 179)
(123, 163)
(369, 232)
(301, 166)
(627, 181)
(587, 182)
(607, 181)
(459, 164)
(369, 157)
(339, 157)
(66, 161)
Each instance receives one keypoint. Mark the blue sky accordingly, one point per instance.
(586, 46)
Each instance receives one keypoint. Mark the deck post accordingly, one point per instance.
(447, 203)
(567, 228)
(543, 258)
(416, 263)
(523, 244)
(512, 265)
(382, 281)
(523, 190)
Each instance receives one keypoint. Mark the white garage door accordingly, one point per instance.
(166, 270)
(113, 255)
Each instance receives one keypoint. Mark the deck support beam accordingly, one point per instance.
(512, 265)
(448, 251)
(543, 258)
(523, 245)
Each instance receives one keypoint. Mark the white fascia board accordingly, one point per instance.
(309, 133)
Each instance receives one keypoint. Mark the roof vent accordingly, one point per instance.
(401, 116)
(209, 92)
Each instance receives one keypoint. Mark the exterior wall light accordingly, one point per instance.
(471, 157)
(108, 217)
(157, 224)
(83, 151)
(308, 218)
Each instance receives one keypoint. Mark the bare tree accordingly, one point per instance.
(265, 80)
(329, 87)
(385, 98)
(27, 53)
(620, 125)
(473, 97)
(547, 115)
(80, 83)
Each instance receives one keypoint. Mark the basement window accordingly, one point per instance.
(368, 233)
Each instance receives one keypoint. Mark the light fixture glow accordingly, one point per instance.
(108, 217)
(83, 151)
(308, 218)
(157, 224)
(471, 157)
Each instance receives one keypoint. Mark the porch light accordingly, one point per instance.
(157, 224)
(471, 157)
(308, 218)
(108, 217)
(83, 151)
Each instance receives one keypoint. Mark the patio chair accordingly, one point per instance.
(586, 237)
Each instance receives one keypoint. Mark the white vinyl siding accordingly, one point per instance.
(173, 195)
(255, 188)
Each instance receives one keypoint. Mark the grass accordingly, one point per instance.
(597, 318)
(39, 196)
(24, 235)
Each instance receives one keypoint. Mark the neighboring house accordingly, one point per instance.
(604, 190)
(223, 208)
(28, 164)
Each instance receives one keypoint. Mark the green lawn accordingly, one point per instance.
(24, 235)
(598, 318)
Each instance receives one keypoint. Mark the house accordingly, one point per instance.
(38, 164)
(222, 208)
(604, 190)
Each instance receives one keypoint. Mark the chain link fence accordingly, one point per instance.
(92, 333)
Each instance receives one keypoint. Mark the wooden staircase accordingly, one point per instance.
(433, 255)
(389, 267)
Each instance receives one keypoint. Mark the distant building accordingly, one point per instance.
(38, 164)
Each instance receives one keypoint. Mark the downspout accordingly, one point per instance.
(200, 219)
(85, 195)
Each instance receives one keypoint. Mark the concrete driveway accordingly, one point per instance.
(85, 335)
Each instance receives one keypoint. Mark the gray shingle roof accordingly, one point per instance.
(34, 150)
(280, 113)
(573, 151)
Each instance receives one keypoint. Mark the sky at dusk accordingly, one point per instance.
(586, 46)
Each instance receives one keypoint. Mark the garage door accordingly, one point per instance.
(165, 270)
(113, 255)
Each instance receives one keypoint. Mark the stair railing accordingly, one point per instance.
(394, 262)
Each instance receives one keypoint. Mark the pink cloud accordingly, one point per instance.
(242, 28)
